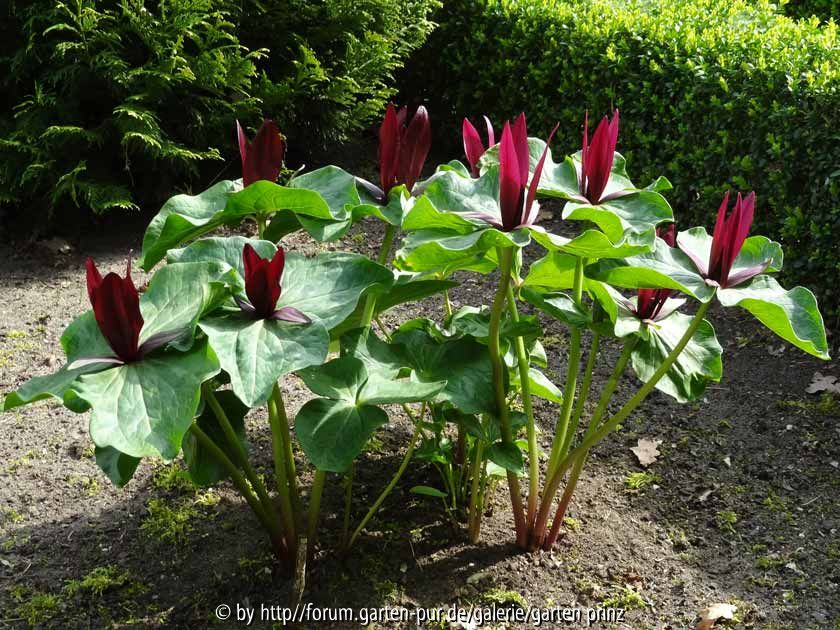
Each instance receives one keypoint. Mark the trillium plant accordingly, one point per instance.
(173, 371)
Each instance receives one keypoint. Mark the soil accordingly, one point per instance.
(742, 505)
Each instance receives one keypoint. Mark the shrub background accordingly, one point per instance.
(713, 95)
(120, 103)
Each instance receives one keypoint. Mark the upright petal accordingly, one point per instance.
(530, 211)
(599, 159)
(94, 278)
(584, 155)
(668, 233)
(415, 145)
(243, 145)
(473, 148)
(510, 183)
(262, 281)
(389, 149)
(744, 212)
(491, 135)
(520, 141)
(265, 155)
(718, 240)
(116, 307)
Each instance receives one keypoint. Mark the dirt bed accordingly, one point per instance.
(742, 506)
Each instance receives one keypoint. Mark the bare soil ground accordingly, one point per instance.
(742, 507)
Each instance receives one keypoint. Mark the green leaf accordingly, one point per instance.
(595, 244)
(182, 218)
(665, 267)
(224, 251)
(558, 305)
(329, 285)
(463, 363)
(334, 429)
(542, 386)
(81, 339)
(143, 409)
(506, 455)
(445, 252)
(696, 365)
(117, 466)
(178, 295)
(428, 491)
(793, 315)
(256, 352)
(332, 433)
(204, 469)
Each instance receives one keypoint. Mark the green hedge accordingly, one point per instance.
(823, 9)
(116, 103)
(714, 94)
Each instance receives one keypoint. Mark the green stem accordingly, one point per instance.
(614, 421)
(286, 436)
(525, 384)
(505, 256)
(571, 377)
(241, 455)
(603, 402)
(475, 494)
(261, 225)
(384, 251)
(242, 486)
(447, 304)
(281, 472)
(585, 386)
(315, 508)
(376, 505)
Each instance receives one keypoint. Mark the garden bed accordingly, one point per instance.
(741, 507)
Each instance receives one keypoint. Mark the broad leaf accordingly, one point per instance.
(256, 352)
(334, 429)
(204, 469)
(793, 315)
(178, 295)
(182, 218)
(117, 466)
(507, 455)
(81, 339)
(560, 306)
(143, 409)
(463, 363)
(696, 365)
(665, 267)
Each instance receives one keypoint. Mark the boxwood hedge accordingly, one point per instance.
(715, 94)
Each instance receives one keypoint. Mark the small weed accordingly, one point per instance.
(679, 539)
(98, 581)
(172, 478)
(387, 591)
(207, 499)
(167, 524)
(501, 597)
(625, 598)
(726, 520)
(772, 561)
(13, 516)
(572, 524)
(21, 462)
(34, 607)
(637, 481)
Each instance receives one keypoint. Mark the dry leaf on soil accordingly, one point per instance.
(646, 451)
(709, 616)
(822, 383)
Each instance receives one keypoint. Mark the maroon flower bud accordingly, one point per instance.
(262, 286)
(262, 158)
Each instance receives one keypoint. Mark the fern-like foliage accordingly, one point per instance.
(113, 104)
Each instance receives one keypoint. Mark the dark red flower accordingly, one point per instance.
(727, 239)
(262, 158)
(262, 286)
(650, 302)
(403, 147)
(116, 308)
(516, 198)
(473, 147)
(597, 158)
